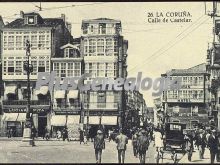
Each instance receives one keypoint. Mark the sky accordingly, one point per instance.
(154, 48)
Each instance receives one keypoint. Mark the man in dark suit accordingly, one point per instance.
(201, 142)
(213, 145)
(142, 144)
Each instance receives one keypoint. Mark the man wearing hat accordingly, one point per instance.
(213, 145)
(142, 143)
(201, 143)
(122, 141)
(99, 145)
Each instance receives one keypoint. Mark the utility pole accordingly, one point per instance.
(27, 135)
(213, 15)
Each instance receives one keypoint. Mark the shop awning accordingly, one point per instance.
(14, 117)
(73, 94)
(58, 120)
(109, 120)
(10, 89)
(43, 90)
(92, 120)
(73, 119)
(60, 94)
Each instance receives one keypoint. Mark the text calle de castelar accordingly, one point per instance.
(165, 17)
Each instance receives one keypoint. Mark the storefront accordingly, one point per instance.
(71, 122)
(13, 122)
(14, 118)
(106, 122)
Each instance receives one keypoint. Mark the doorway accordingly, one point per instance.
(42, 123)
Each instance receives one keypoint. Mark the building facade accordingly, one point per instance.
(105, 52)
(190, 103)
(46, 36)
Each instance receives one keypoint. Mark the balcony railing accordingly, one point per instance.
(25, 102)
(75, 106)
(95, 105)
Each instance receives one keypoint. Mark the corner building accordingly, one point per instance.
(46, 36)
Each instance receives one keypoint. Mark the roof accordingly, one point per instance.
(101, 20)
(47, 22)
(195, 70)
(75, 46)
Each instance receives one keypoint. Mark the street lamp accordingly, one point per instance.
(27, 135)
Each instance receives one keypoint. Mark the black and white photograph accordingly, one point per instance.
(110, 82)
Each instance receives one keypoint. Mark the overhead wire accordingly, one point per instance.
(173, 40)
(146, 62)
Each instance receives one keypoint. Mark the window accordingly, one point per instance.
(41, 66)
(66, 52)
(115, 46)
(109, 47)
(33, 41)
(63, 70)
(18, 67)
(25, 38)
(102, 28)
(92, 46)
(35, 69)
(11, 67)
(100, 47)
(18, 41)
(41, 41)
(56, 69)
(10, 41)
(101, 99)
(85, 47)
(30, 20)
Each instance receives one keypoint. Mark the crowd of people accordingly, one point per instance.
(202, 139)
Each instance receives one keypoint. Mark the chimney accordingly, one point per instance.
(63, 17)
(69, 26)
(22, 14)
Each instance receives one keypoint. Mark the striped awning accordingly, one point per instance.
(73, 94)
(43, 90)
(60, 94)
(14, 117)
(109, 120)
(92, 120)
(10, 89)
(58, 120)
(73, 119)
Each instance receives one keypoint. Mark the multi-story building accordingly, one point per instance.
(67, 103)
(213, 68)
(190, 103)
(46, 36)
(105, 52)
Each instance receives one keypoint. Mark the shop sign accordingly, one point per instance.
(67, 112)
(24, 110)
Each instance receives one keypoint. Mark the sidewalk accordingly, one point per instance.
(20, 139)
(196, 159)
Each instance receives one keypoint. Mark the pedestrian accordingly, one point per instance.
(213, 145)
(33, 134)
(99, 145)
(134, 143)
(9, 133)
(218, 154)
(201, 143)
(59, 134)
(142, 144)
(65, 134)
(122, 141)
(189, 145)
(84, 137)
(81, 136)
